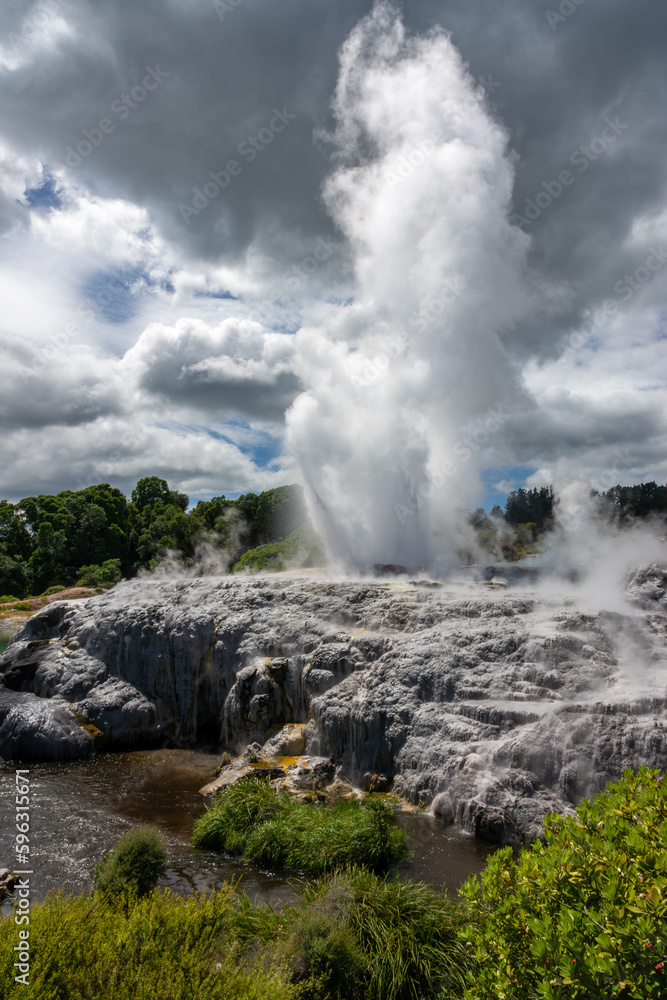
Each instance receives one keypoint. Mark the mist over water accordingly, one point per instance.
(399, 378)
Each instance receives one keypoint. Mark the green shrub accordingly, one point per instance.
(133, 866)
(21, 606)
(324, 950)
(8, 599)
(235, 811)
(52, 590)
(583, 915)
(300, 549)
(106, 575)
(358, 935)
(162, 948)
(274, 829)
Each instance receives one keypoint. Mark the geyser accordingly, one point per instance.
(409, 382)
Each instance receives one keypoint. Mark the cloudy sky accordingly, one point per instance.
(185, 194)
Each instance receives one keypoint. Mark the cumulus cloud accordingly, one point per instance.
(236, 367)
(132, 302)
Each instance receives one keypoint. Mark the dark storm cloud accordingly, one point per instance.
(556, 85)
(150, 102)
(216, 84)
(222, 70)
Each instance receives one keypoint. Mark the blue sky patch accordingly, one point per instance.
(44, 197)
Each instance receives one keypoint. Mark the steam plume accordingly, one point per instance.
(399, 378)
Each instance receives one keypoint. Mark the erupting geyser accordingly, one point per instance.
(402, 378)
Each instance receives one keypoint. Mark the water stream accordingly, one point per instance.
(80, 808)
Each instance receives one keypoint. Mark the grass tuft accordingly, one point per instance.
(271, 828)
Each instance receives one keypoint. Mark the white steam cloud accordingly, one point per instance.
(401, 377)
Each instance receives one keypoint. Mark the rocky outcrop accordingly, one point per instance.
(299, 774)
(491, 705)
(7, 883)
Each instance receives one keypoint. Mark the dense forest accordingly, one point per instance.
(96, 536)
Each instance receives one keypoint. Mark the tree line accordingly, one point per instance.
(96, 536)
(537, 506)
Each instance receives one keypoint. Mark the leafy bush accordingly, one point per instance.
(274, 829)
(107, 575)
(21, 606)
(8, 599)
(133, 866)
(52, 590)
(585, 914)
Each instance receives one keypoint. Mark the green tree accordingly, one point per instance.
(47, 565)
(152, 490)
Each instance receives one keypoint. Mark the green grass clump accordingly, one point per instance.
(271, 828)
(235, 811)
(584, 914)
(354, 934)
(351, 936)
(21, 606)
(133, 866)
(161, 948)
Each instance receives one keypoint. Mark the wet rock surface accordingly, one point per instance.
(492, 706)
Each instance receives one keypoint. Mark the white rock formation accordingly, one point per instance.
(493, 706)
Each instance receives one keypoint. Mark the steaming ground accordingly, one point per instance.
(492, 705)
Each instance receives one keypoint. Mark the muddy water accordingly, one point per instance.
(80, 808)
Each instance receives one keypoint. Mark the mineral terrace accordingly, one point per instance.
(491, 705)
